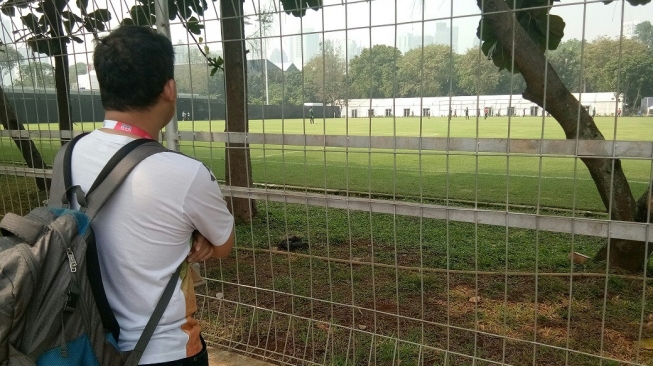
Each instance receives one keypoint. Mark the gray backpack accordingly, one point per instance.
(53, 309)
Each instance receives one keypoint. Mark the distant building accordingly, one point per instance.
(277, 56)
(630, 27)
(604, 104)
(88, 81)
(408, 41)
(446, 35)
(353, 49)
(646, 106)
(256, 67)
(311, 44)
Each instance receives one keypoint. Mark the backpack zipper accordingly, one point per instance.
(72, 262)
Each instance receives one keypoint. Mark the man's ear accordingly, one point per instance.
(170, 91)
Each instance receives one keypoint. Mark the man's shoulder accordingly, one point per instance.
(179, 160)
(176, 158)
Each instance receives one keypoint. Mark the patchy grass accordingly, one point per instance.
(397, 290)
(362, 294)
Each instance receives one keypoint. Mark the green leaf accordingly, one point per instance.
(44, 45)
(8, 9)
(632, 2)
(556, 31)
(194, 26)
(77, 39)
(43, 21)
(68, 26)
(89, 27)
(484, 27)
(142, 15)
(32, 22)
(82, 4)
(127, 21)
(298, 7)
(172, 10)
(71, 16)
(184, 9)
(198, 6)
(101, 15)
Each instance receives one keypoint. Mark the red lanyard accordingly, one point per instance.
(121, 126)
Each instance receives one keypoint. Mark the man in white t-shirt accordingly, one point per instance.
(145, 230)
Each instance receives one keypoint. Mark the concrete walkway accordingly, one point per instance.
(221, 357)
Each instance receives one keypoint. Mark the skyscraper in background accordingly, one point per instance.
(353, 49)
(302, 48)
(630, 27)
(446, 36)
(311, 44)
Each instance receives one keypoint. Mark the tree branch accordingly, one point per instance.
(607, 174)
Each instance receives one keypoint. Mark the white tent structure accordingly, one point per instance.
(599, 103)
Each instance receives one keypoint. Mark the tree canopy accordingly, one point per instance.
(644, 33)
(383, 72)
(373, 74)
(35, 75)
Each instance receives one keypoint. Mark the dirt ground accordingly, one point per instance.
(301, 310)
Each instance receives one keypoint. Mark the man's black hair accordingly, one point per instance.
(133, 64)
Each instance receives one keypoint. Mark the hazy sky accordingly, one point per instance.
(375, 20)
(379, 21)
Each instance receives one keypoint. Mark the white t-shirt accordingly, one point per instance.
(143, 234)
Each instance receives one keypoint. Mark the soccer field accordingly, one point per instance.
(517, 179)
(627, 128)
(464, 176)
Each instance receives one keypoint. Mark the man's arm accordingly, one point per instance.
(203, 249)
(221, 251)
(208, 214)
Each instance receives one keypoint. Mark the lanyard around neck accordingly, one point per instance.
(121, 126)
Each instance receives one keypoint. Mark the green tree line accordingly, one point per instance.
(385, 72)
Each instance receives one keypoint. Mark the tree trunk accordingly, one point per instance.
(52, 10)
(607, 174)
(25, 145)
(238, 166)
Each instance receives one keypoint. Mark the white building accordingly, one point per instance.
(630, 27)
(88, 81)
(600, 103)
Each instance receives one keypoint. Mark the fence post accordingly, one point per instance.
(163, 27)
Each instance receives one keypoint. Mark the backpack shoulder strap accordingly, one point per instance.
(160, 308)
(61, 174)
(116, 170)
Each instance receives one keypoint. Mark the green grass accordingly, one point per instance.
(365, 269)
(627, 128)
(361, 269)
(522, 180)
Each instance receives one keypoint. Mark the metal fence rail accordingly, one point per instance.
(437, 216)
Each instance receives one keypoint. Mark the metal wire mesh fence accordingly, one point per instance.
(400, 199)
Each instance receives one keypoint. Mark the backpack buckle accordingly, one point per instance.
(72, 297)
